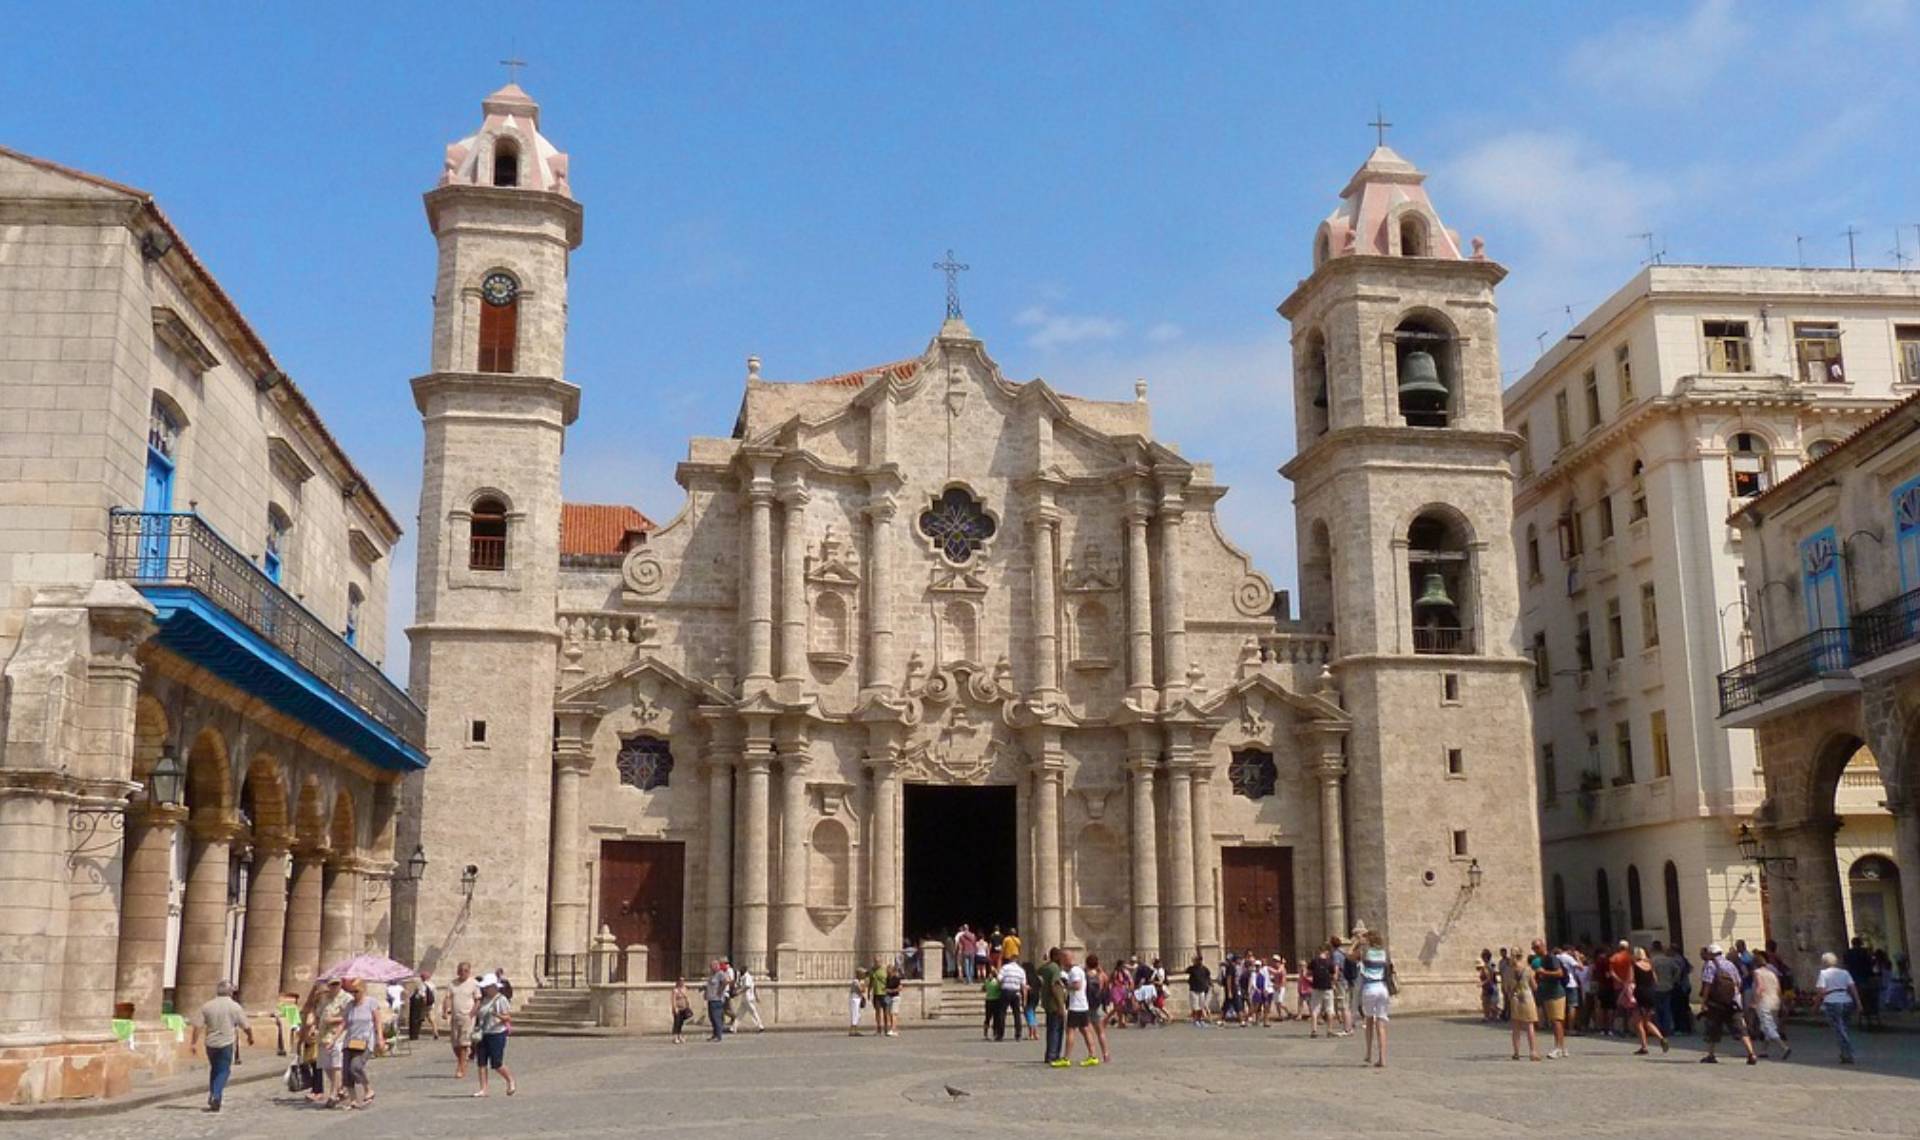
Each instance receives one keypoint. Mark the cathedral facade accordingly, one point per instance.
(928, 645)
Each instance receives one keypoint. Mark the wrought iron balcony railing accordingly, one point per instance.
(150, 548)
(1801, 660)
(1893, 624)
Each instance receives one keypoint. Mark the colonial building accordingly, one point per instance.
(1686, 394)
(927, 645)
(198, 775)
(1832, 692)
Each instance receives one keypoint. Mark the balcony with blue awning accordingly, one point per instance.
(219, 611)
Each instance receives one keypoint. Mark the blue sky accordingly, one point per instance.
(1135, 186)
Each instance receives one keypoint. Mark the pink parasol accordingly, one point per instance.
(368, 967)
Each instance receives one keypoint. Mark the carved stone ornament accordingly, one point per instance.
(834, 565)
(1253, 596)
(968, 579)
(1091, 572)
(641, 573)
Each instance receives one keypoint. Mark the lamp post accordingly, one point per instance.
(1752, 852)
(467, 879)
(1474, 875)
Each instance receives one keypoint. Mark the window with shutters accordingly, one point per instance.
(1816, 351)
(1590, 385)
(1906, 339)
(1727, 347)
(1562, 421)
(1622, 753)
(1649, 616)
(1623, 369)
(1749, 465)
(1662, 759)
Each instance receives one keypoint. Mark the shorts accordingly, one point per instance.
(1077, 1018)
(1320, 1001)
(1375, 1001)
(1719, 1019)
(1196, 1001)
(356, 1068)
(491, 1051)
(462, 1033)
(882, 1001)
(1555, 1009)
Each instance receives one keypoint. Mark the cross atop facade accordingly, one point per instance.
(952, 269)
(513, 66)
(1379, 125)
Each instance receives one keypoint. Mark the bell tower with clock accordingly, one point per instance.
(495, 408)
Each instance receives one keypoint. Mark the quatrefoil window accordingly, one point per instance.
(645, 762)
(957, 525)
(1252, 774)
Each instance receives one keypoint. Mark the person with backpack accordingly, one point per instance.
(1720, 1003)
(1346, 969)
(1052, 981)
(1319, 978)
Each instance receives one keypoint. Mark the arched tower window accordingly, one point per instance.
(1322, 249)
(487, 545)
(1424, 362)
(506, 162)
(1413, 235)
(1749, 464)
(1441, 585)
(1313, 383)
(499, 321)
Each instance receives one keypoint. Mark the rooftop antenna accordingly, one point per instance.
(1800, 249)
(1540, 340)
(1569, 309)
(1900, 256)
(1654, 256)
(1852, 262)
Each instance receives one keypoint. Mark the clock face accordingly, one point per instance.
(499, 289)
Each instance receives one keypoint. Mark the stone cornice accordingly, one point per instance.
(1323, 451)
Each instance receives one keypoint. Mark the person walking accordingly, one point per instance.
(1052, 983)
(963, 946)
(463, 997)
(1522, 1012)
(1859, 962)
(1377, 987)
(1345, 970)
(856, 1001)
(1720, 1003)
(308, 1044)
(1033, 1007)
(333, 1026)
(1199, 985)
(682, 1003)
(1550, 994)
(1765, 993)
(1013, 998)
(1839, 995)
(993, 1021)
(715, 994)
(1317, 978)
(1010, 945)
(1079, 1010)
(1099, 992)
(1666, 972)
(749, 987)
(1504, 971)
(1646, 1000)
(365, 1031)
(892, 984)
(1489, 979)
(981, 966)
(219, 1025)
(493, 1020)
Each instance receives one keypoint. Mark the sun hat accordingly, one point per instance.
(489, 980)
(1715, 950)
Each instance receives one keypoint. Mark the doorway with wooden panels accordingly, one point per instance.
(642, 896)
(1256, 893)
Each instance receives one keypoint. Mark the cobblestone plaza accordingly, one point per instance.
(1446, 1078)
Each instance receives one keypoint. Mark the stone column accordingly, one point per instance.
(203, 921)
(883, 908)
(266, 931)
(567, 900)
(1180, 938)
(1205, 921)
(1146, 866)
(1046, 629)
(300, 955)
(1330, 769)
(758, 568)
(793, 589)
(1906, 852)
(339, 897)
(879, 662)
(1047, 926)
(719, 852)
(1815, 902)
(145, 885)
(750, 909)
(793, 847)
(1140, 688)
(1173, 600)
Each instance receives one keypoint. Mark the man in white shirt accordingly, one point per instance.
(1013, 999)
(749, 988)
(1079, 1008)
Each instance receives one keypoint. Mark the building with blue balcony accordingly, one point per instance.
(201, 756)
(1832, 692)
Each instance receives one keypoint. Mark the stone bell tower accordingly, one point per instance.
(495, 408)
(1403, 499)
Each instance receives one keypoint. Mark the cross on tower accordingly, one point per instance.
(513, 66)
(1379, 125)
(952, 269)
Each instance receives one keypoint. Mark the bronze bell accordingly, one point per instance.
(1433, 593)
(1320, 395)
(1420, 379)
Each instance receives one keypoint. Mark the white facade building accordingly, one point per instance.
(1686, 393)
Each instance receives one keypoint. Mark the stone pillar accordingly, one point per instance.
(1180, 938)
(1173, 600)
(791, 927)
(1906, 854)
(1046, 628)
(637, 964)
(300, 955)
(883, 908)
(567, 897)
(145, 886)
(1140, 688)
(339, 898)
(750, 909)
(1330, 769)
(1048, 929)
(879, 661)
(266, 931)
(719, 852)
(758, 594)
(1146, 865)
(793, 589)
(1815, 906)
(1205, 914)
(203, 921)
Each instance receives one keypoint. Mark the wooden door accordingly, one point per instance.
(642, 889)
(1256, 887)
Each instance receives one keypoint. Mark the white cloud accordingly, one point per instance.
(1165, 332)
(1569, 199)
(1053, 330)
(1656, 59)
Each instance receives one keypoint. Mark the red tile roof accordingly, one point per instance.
(901, 370)
(600, 528)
